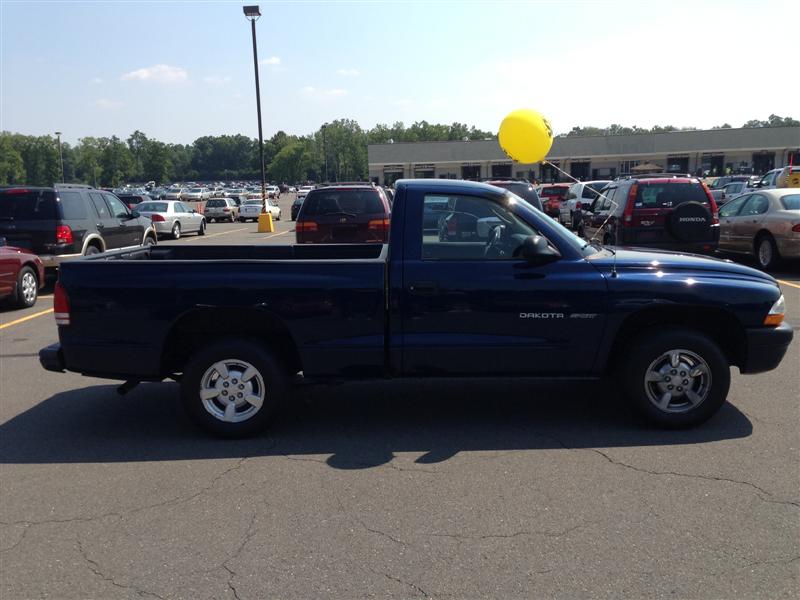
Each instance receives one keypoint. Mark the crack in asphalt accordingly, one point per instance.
(490, 536)
(94, 567)
(625, 465)
(248, 535)
(19, 541)
(170, 502)
(398, 580)
(366, 527)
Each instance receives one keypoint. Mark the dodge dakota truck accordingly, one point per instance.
(506, 292)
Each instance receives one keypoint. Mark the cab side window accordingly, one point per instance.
(756, 205)
(118, 209)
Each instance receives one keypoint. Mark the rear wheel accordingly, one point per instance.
(91, 249)
(233, 387)
(766, 251)
(675, 378)
(150, 240)
(27, 288)
(176, 231)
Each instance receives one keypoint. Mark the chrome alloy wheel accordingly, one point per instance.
(677, 381)
(29, 288)
(232, 390)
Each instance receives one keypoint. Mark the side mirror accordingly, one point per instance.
(135, 214)
(193, 211)
(536, 249)
(3, 241)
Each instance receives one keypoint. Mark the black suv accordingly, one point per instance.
(523, 189)
(664, 211)
(67, 221)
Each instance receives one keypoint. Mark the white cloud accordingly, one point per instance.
(96, 80)
(329, 94)
(157, 73)
(214, 80)
(106, 104)
(348, 72)
(272, 61)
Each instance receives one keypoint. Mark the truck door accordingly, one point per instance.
(470, 306)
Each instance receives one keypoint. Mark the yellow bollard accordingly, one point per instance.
(265, 223)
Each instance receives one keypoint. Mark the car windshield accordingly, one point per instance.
(152, 207)
(668, 194)
(195, 190)
(791, 201)
(332, 202)
(27, 205)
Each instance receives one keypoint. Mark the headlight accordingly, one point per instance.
(776, 313)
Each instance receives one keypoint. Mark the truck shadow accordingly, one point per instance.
(354, 426)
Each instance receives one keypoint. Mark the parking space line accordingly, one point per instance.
(789, 283)
(277, 234)
(224, 232)
(28, 318)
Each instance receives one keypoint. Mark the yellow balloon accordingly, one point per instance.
(525, 135)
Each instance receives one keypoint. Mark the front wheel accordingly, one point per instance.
(233, 387)
(202, 230)
(674, 378)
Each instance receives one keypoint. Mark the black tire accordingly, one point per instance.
(766, 252)
(268, 368)
(149, 241)
(27, 288)
(176, 231)
(91, 249)
(202, 230)
(647, 350)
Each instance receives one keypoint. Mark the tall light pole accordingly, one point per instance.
(325, 153)
(253, 13)
(60, 155)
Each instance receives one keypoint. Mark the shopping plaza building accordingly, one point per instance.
(709, 152)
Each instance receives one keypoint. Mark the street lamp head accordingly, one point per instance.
(58, 133)
(251, 12)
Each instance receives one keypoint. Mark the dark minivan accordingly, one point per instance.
(67, 221)
(344, 214)
(668, 212)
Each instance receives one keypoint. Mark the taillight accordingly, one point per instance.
(452, 225)
(63, 234)
(796, 228)
(157, 218)
(60, 305)
(627, 215)
(226, 210)
(379, 226)
(306, 226)
(713, 204)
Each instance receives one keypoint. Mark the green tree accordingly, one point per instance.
(12, 167)
(116, 161)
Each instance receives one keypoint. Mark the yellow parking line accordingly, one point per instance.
(789, 283)
(225, 232)
(28, 318)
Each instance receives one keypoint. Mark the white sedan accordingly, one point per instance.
(250, 209)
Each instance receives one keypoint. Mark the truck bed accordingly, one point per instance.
(133, 312)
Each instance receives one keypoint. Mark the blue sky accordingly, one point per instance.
(179, 70)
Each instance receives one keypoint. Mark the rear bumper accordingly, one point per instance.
(51, 261)
(52, 358)
(788, 248)
(766, 347)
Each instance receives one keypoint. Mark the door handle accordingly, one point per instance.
(99, 225)
(423, 287)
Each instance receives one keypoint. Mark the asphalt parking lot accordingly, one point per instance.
(409, 490)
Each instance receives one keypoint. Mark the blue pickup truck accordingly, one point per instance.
(504, 291)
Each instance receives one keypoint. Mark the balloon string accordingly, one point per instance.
(599, 195)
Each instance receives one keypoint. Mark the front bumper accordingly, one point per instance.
(766, 347)
(52, 358)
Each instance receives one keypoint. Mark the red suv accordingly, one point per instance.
(344, 214)
(552, 195)
(664, 211)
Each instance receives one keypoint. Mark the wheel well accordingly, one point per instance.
(33, 268)
(203, 326)
(96, 242)
(720, 325)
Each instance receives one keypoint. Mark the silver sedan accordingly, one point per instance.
(764, 224)
(173, 218)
